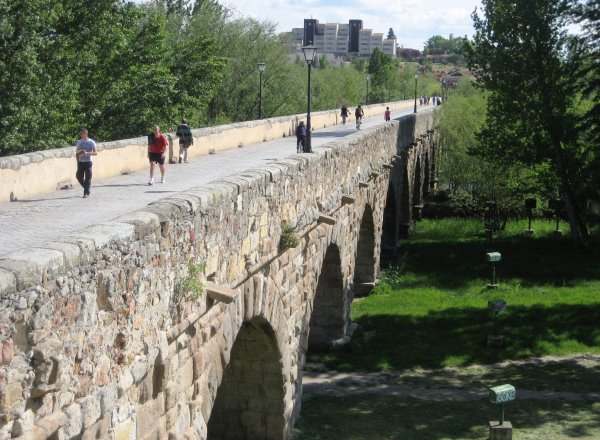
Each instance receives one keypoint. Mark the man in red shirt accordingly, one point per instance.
(157, 146)
(387, 114)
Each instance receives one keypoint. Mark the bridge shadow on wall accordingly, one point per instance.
(329, 134)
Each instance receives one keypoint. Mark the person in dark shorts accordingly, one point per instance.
(300, 137)
(157, 146)
(85, 148)
(184, 133)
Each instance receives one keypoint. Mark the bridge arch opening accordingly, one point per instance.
(418, 185)
(364, 269)
(405, 208)
(250, 398)
(327, 321)
(427, 179)
(389, 232)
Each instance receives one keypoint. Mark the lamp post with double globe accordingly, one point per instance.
(261, 69)
(309, 55)
(416, 78)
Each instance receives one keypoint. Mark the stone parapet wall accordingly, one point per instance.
(96, 341)
(26, 175)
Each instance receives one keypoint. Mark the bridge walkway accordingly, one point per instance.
(32, 222)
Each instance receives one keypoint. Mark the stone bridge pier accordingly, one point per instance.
(101, 339)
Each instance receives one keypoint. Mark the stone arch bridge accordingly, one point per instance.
(99, 338)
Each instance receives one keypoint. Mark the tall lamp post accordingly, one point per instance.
(367, 100)
(261, 69)
(309, 55)
(416, 78)
(404, 90)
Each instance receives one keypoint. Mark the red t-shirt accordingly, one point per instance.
(159, 145)
(388, 114)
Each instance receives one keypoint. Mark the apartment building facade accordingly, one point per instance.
(341, 39)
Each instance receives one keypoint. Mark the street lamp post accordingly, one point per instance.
(416, 78)
(309, 55)
(367, 100)
(261, 69)
(404, 89)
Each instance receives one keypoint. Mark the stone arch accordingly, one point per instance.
(427, 177)
(405, 207)
(250, 401)
(417, 196)
(327, 320)
(389, 230)
(364, 268)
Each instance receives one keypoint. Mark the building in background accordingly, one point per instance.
(340, 39)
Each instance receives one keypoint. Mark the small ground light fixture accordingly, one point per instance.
(493, 258)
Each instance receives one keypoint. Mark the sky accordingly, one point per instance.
(413, 21)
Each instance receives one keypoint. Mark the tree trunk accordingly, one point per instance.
(579, 232)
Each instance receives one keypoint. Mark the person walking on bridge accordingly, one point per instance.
(345, 113)
(157, 146)
(85, 148)
(358, 114)
(300, 137)
(387, 115)
(184, 133)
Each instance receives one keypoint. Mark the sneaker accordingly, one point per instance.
(186, 161)
(151, 182)
(163, 180)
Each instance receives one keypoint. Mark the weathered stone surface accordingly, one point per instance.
(100, 327)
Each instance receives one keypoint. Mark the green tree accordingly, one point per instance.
(588, 15)
(518, 54)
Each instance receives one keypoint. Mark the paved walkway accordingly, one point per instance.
(460, 383)
(32, 222)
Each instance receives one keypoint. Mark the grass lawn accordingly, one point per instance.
(431, 309)
(375, 417)
(428, 318)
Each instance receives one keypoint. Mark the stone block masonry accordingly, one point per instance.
(98, 340)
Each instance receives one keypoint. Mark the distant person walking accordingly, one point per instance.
(184, 133)
(157, 146)
(300, 137)
(85, 148)
(358, 114)
(387, 115)
(345, 113)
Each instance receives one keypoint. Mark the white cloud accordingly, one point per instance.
(413, 21)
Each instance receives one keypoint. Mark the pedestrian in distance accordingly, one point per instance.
(300, 137)
(157, 146)
(387, 115)
(184, 133)
(85, 148)
(345, 113)
(358, 114)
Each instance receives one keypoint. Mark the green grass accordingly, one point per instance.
(431, 312)
(376, 417)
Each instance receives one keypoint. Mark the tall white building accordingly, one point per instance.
(341, 39)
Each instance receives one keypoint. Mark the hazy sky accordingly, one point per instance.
(413, 21)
